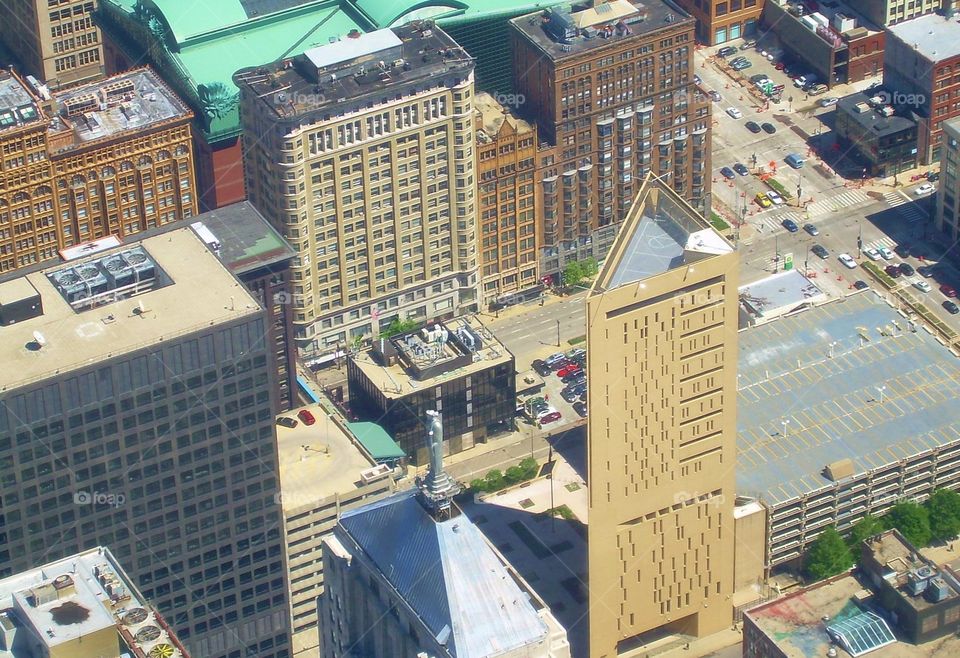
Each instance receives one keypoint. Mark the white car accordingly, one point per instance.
(925, 189)
(871, 253)
(886, 253)
(922, 286)
(776, 198)
(735, 113)
(828, 102)
(847, 260)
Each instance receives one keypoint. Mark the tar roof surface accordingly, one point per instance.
(934, 36)
(871, 119)
(832, 404)
(198, 298)
(247, 240)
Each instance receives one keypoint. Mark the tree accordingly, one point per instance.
(479, 485)
(868, 526)
(590, 267)
(529, 467)
(495, 481)
(828, 555)
(913, 522)
(573, 274)
(513, 475)
(398, 326)
(943, 507)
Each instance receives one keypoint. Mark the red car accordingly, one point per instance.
(568, 369)
(307, 417)
(562, 363)
(551, 417)
(949, 291)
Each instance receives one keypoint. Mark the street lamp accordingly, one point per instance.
(859, 239)
(785, 422)
(832, 345)
(558, 333)
(799, 190)
(880, 390)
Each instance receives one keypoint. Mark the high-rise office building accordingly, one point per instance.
(361, 153)
(948, 200)
(611, 89)
(662, 338)
(109, 158)
(506, 199)
(55, 41)
(137, 412)
(81, 606)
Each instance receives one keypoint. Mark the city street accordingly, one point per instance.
(530, 331)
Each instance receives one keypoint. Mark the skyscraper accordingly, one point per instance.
(662, 338)
(361, 153)
(57, 41)
(137, 412)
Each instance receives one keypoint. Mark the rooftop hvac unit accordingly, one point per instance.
(938, 590)
(118, 271)
(141, 263)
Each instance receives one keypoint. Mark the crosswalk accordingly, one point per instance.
(774, 222)
(838, 202)
(885, 241)
(910, 211)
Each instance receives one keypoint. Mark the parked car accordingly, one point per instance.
(804, 79)
(811, 229)
(816, 90)
(952, 308)
(829, 101)
(819, 250)
(886, 253)
(847, 261)
(540, 367)
(726, 51)
(763, 200)
(570, 368)
(286, 421)
(697, 80)
(753, 127)
(727, 173)
(742, 64)
(922, 286)
(774, 197)
(925, 189)
(741, 169)
(580, 408)
(576, 352)
(306, 417)
(759, 77)
(715, 96)
(860, 285)
(949, 291)
(575, 378)
(790, 225)
(554, 358)
(768, 128)
(549, 417)
(902, 250)
(893, 271)
(933, 176)
(735, 113)
(871, 253)
(794, 161)
(561, 364)
(906, 269)
(926, 271)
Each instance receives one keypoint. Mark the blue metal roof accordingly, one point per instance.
(447, 572)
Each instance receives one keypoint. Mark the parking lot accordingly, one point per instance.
(553, 369)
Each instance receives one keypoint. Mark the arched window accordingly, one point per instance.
(144, 161)
(180, 151)
(126, 165)
(108, 172)
(163, 155)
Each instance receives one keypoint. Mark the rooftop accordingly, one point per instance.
(17, 105)
(245, 238)
(795, 623)
(570, 30)
(447, 572)
(132, 101)
(933, 36)
(79, 596)
(829, 363)
(918, 581)
(492, 116)
(866, 110)
(357, 69)
(427, 357)
(779, 294)
(376, 441)
(662, 232)
(199, 292)
(317, 461)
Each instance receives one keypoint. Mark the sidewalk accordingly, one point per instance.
(493, 319)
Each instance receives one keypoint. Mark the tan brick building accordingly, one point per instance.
(108, 158)
(506, 199)
(55, 40)
(662, 335)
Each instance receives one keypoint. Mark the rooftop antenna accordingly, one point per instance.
(437, 489)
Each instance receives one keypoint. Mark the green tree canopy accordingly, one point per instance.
(828, 555)
(590, 267)
(912, 521)
(943, 507)
(398, 326)
(865, 527)
(573, 274)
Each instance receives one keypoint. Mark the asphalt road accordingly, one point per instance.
(533, 332)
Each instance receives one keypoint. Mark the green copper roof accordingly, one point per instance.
(377, 442)
(385, 13)
(188, 19)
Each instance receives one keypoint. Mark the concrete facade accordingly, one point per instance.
(948, 200)
(371, 179)
(662, 339)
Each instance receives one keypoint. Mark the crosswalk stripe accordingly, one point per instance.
(883, 242)
(840, 201)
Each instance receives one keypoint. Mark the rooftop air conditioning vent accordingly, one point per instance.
(135, 616)
(147, 634)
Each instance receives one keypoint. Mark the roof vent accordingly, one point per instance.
(353, 34)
